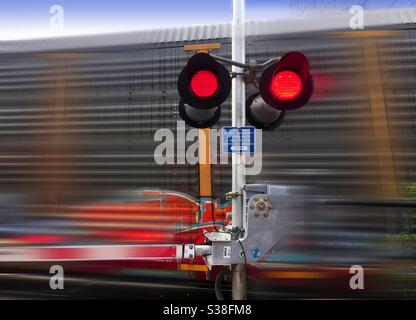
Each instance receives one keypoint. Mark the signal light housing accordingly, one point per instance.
(261, 115)
(288, 84)
(204, 83)
(199, 118)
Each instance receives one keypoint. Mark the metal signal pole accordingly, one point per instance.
(239, 271)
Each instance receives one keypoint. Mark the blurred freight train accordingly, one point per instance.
(77, 123)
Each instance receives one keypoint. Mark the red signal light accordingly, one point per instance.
(204, 84)
(286, 85)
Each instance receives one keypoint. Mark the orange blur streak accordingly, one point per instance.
(380, 120)
(193, 267)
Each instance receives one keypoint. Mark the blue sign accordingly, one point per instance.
(255, 253)
(236, 139)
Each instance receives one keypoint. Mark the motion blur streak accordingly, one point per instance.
(77, 121)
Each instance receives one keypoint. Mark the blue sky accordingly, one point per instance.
(30, 18)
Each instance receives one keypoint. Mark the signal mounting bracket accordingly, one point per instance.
(250, 68)
(202, 48)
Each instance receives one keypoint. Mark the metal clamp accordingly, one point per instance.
(250, 69)
(190, 251)
(236, 74)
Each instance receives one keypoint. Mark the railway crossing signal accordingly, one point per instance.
(285, 85)
(204, 84)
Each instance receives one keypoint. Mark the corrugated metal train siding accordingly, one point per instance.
(85, 119)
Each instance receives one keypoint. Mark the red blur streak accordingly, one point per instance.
(138, 236)
(171, 209)
(325, 85)
(120, 211)
(149, 252)
(167, 213)
(61, 254)
(41, 238)
(106, 252)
